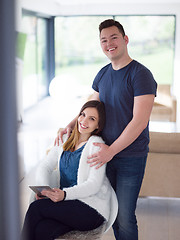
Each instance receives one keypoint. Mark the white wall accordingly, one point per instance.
(113, 7)
(47, 7)
(19, 66)
(176, 86)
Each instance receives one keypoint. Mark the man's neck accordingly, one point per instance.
(120, 64)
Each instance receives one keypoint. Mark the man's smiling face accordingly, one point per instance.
(113, 44)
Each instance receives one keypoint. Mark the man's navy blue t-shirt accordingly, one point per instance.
(117, 89)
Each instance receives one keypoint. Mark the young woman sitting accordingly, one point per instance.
(85, 199)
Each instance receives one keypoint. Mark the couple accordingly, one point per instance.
(127, 89)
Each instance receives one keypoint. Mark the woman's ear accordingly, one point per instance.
(96, 131)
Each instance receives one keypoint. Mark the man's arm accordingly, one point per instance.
(141, 114)
(68, 129)
(95, 96)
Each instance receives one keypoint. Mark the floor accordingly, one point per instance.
(158, 218)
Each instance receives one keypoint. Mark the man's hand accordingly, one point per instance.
(100, 158)
(60, 134)
(56, 195)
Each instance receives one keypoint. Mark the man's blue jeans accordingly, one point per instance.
(126, 175)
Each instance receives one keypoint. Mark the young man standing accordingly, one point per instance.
(127, 89)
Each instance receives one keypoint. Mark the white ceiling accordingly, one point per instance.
(80, 2)
(100, 7)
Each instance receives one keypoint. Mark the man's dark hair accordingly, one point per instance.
(110, 23)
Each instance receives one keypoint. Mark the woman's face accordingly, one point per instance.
(88, 121)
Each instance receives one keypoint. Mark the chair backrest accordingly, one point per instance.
(113, 211)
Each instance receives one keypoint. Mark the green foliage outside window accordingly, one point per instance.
(78, 52)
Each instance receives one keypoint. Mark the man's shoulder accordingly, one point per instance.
(104, 69)
(100, 75)
(137, 66)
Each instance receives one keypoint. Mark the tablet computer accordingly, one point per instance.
(38, 189)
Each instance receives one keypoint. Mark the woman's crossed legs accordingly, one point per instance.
(47, 220)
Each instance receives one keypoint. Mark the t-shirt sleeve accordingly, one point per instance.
(144, 83)
(98, 78)
(96, 83)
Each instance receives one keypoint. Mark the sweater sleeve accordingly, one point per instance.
(47, 166)
(92, 182)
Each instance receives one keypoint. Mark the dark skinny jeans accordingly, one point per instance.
(47, 220)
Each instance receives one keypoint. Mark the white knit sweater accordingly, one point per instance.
(93, 187)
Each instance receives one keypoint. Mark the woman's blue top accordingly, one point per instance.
(68, 167)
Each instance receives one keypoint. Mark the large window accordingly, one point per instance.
(152, 40)
(34, 70)
(79, 56)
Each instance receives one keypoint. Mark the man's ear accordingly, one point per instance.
(126, 39)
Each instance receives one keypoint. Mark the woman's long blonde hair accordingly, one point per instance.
(70, 144)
